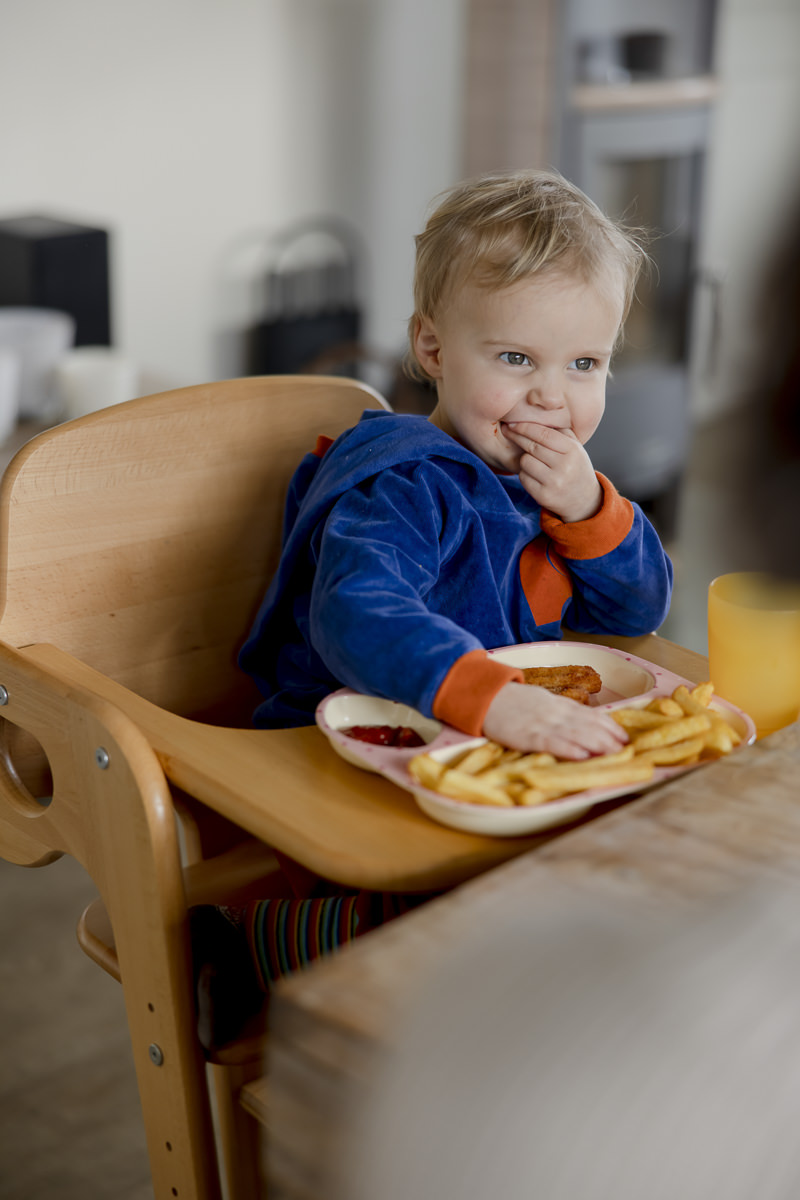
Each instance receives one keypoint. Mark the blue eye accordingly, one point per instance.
(514, 358)
(583, 364)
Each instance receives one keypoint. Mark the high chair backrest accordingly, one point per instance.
(140, 538)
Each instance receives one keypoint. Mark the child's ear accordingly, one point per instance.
(427, 347)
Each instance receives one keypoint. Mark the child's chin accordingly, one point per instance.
(508, 458)
(497, 453)
(505, 465)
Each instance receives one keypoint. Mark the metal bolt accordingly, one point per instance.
(156, 1054)
(3, 694)
(101, 758)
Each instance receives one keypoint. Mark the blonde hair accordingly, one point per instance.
(499, 229)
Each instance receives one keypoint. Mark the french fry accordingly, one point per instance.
(426, 770)
(478, 759)
(695, 702)
(514, 770)
(690, 704)
(540, 759)
(460, 786)
(531, 797)
(673, 755)
(675, 731)
(599, 762)
(671, 731)
(508, 757)
(719, 723)
(666, 706)
(515, 790)
(554, 780)
(642, 718)
(703, 692)
(718, 741)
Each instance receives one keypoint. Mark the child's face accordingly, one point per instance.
(538, 351)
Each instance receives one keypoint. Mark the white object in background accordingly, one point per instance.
(9, 393)
(39, 337)
(94, 377)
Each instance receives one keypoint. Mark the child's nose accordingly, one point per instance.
(546, 395)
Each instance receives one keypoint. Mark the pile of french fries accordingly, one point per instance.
(671, 731)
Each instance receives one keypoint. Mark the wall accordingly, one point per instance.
(513, 71)
(752, 197)
(195, 129)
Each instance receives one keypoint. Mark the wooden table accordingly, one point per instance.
(702, 834)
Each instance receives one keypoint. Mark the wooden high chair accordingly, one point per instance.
(135, 547)
(136, 543)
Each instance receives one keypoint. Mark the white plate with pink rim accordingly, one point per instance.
(626, 680)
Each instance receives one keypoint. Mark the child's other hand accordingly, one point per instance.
(525, 717)
(556, 470)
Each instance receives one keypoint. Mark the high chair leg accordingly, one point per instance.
(239, 1135)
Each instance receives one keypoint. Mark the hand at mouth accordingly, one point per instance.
(558, 419)
(526, 436)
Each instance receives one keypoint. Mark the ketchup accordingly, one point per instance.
(401, 737)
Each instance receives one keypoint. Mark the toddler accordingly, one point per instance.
(413, 545)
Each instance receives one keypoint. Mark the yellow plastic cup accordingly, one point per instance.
(754, 646)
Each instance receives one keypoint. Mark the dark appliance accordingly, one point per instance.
(46, 262)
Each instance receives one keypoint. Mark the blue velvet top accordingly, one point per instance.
(403, 552)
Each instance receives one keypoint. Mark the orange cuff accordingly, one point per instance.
(468, 689)
(597, 535)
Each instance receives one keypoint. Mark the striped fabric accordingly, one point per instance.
(287, 935)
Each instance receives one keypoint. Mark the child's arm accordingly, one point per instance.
(371, 618)
(621, 575)
(529, 718)
(622, 578)
(377, 630)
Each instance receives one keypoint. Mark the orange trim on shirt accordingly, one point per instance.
(324, 444)
(597, 535)
(468, 689)
(545, 581)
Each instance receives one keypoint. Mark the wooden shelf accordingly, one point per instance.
(649, 94)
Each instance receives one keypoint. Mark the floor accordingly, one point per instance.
(70, 1126)
(69, 1117)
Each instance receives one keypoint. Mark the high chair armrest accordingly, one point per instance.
(291, 790)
